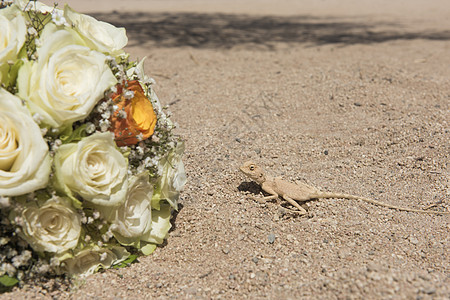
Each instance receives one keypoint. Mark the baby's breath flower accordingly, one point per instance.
(87, 238)
(96, 215)
(128, 94)
(44, 268)
(107, 236)
(56, 144)
(18, 221)
(122, 114)
(22, 259)
(32, 31)
(90, 128)
(147, 162)
(9, 269)
(44, 131)
(140, 150)
(103, 256)
(58, 17)
(54, 262)
(38, 43)
(106, 115)
(104, 125)
(102, 107)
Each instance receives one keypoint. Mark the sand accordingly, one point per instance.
(349, 96)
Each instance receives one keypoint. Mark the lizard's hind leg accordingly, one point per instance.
(301, 211)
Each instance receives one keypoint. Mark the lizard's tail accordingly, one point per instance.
(351, 197)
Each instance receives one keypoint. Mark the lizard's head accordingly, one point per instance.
(253, 171)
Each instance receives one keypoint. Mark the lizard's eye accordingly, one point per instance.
(252, 168)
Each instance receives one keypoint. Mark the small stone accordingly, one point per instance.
(255, 260)
(237, 140)
(271, 238)
(413, 240)
(325, 152)
(429, 291)
(357, 104)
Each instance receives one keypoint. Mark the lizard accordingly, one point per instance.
(302, 192)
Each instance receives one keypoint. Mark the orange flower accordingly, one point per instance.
(134, 120)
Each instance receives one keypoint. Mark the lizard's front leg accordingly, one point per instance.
(270, 191)
(264, 199)
(301, 211)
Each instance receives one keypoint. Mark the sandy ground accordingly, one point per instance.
(349, 96)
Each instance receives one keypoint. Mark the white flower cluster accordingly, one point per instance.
(90, 171)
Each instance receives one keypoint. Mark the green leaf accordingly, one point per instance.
(131, 259)
(156, 198)
(12, 74)
(69, 135)
(7, 281)
(148, 249)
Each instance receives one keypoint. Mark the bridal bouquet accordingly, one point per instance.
(90, 171)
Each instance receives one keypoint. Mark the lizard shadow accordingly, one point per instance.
(174, 216)
(249, 186)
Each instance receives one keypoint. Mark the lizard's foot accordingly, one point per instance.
(259, 200)
(285, 209)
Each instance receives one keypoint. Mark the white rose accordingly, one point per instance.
(12, 36)
(24, 158)
(99, 35)
(53, 227)
(67, 80)
(94, 169)
(172, 179)
(91, 259)
(133, 219)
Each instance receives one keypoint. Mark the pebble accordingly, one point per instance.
(271, 238)
(413, 240)
(429, 291)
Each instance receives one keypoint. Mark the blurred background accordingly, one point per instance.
(228, 23)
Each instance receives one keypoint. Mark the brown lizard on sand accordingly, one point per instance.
(291, 192)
